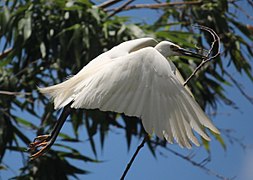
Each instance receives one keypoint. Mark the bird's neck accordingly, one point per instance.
(161, 49)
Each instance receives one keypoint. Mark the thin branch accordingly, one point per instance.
(239, 87)
(26, 68)
(243, 11)
(199, 165)
(15, 93)
(159, 5)
(250, 2)
(134, 156)
(5, 53)
(108, 3)
(216, 39)
(189, 158)
(232, 139)
(119, 9)
(158, 1)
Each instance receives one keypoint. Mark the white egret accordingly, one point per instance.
(137, 79)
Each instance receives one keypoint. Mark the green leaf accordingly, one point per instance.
(90, 130)
(177, 37)
(21, 135)
(66, 137)
(242, 27)
(17, 149)
(4, 62)
(27, 31)
(220, 140)
(206, 144)
(6, 14)
(95, 13)
(151, 148)
(25, 122)
(43, 49)
(2, 167)
(77, 156)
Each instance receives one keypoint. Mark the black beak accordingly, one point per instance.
(185, 52)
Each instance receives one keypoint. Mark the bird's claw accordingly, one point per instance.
(43, 141)
(42, 137)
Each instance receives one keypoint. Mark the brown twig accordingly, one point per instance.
(216, 39)
(108, 3)
(119, 9)
(159, 5)
(15, 93)
(5, 53)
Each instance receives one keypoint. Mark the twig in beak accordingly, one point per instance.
(206, 59)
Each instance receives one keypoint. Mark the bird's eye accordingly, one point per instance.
(174, 48)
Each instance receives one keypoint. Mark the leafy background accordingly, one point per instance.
(43, 42)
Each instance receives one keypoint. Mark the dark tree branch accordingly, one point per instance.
(250, 2)
(235, 140)
(249, 16)
(158, 5)
(239, 87)
(200, 165)
(108, 3)
(134, 156)
(158, 1)
(216, 39)
(119, 9)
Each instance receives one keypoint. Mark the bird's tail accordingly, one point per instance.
(61, 94)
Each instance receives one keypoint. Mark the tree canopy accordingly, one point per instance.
(44, 42)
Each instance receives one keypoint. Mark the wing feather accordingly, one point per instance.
(186, 125)
(178, 133)
(190, 116)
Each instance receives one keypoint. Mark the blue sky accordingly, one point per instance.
(232, 162)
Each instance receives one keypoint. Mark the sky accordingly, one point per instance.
(235, 161)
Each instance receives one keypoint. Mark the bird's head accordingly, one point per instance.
(167, 49)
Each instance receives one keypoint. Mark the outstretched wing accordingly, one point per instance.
(142, 84)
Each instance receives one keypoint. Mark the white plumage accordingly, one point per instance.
(136, 79)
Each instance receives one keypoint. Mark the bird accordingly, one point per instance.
(136, 78)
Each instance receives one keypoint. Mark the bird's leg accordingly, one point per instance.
(46, 141)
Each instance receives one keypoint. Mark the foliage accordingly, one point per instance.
(43, 42)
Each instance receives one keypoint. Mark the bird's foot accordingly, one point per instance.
(43, 141)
